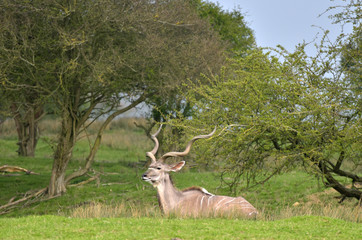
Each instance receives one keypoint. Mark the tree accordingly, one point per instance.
(237, 38)
(280, 113)
(23, 96)
(230, 25)
(276, 115)
(27, 116)
(95, 53)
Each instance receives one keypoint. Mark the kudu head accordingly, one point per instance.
(158, 169)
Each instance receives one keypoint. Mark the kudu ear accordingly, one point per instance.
(177, 166)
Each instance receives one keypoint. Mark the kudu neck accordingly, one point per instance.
(168, 194)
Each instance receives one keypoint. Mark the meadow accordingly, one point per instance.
(117, 204)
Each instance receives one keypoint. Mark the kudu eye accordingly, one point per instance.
(158, 168)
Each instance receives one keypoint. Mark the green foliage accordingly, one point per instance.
(236, 38)
(349, 11)
(230, 25)
(275, 115)
(82, 58)
(88, 53)
(351, 58)
(277, 110)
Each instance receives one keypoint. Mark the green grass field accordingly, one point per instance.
(55, 227)
(119, 205)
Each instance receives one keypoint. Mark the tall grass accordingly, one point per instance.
(317, 204)
(50, 127)
(121, 135)
(8, 129)
(122, 209)
(97, 210)
(328, 210)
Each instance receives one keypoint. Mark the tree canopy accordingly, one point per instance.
(277, 110)
(82, 57)
(230, 25)
(236, 38)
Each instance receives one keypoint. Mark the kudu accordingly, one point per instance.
(193, 201)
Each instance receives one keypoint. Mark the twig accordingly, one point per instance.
(12, 199)
(85, 182)
(116, 183)
(146, 129)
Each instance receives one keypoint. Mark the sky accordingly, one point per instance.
(286, 22)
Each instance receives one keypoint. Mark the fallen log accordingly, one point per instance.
(12, 169)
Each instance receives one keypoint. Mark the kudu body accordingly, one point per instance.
(193, 201)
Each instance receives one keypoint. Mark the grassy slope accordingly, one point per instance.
(121, 182)
(55, 227)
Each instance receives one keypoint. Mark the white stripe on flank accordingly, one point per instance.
(225, 203)
(201, 202)
(208, 200)
(220, 202)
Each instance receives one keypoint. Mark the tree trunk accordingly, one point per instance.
(345, 191)
(27, 128)
(57, 184)
(98, 140)
(62, 155)
(67, 140)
